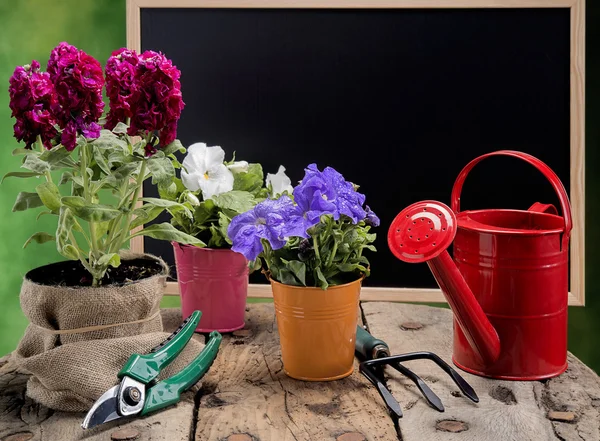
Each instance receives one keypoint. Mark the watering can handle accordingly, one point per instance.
(546, 171)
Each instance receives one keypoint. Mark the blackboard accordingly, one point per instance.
(398, 100)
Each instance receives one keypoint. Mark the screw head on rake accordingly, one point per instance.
(422, 231)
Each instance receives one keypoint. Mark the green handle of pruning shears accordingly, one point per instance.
(168, 391)
(145, 368)
(368, 346)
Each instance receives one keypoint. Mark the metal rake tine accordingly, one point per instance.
(429, 395)
(462, 384)
(391, 403)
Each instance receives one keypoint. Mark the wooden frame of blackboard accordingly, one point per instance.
(577, 118)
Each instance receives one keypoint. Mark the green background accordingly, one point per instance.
(31, 28)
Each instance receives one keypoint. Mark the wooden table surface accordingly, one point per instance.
(246, 396)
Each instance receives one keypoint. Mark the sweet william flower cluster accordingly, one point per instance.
(61, 111)
(315, 239)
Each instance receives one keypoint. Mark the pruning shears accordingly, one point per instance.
(138, 394)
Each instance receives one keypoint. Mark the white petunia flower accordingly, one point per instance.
(279, 181)
(205, 171)
(238, 166)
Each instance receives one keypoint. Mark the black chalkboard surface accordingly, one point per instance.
(396, 100)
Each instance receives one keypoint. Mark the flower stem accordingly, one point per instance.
(333, 251)
(316, 247)
(88, 198)
(136, 195)
(47, 174)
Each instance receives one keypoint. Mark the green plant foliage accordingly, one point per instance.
(112, 164)
(333, 255)
(208, 219)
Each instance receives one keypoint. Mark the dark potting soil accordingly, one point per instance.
(72, 273)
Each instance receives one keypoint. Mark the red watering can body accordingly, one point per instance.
(508, 282)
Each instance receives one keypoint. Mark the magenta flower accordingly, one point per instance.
(78, 81)
(33, 104)
(156, 104)
(121, 85)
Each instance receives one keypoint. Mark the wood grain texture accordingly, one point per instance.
(247, 392)
(507, 411)
(577, 179)
(19, 414)
(247, 396)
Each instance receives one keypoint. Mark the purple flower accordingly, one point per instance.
(371, 218)
(273, 220)
(327, 192)
(33, 105)
(78, 81)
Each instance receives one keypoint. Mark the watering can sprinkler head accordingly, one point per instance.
(422, 232)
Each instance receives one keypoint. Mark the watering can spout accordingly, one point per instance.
(475, 325)
(422, 232)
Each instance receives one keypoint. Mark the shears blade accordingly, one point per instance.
(104, 409)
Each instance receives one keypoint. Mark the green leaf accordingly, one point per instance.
(55, 155)
(299, 270)
(204, 211)
(108, 140)
(112, 259)
(235, 200)
(321, 280)
(251, 181)
(43, 213)
(166, 231)
(224, 222)
(50, 196)
(35, 164)
(162, 170)
(40, 238)
(21, 151)
(145, 214)
(172, 190)
(90, 212)
(70, 252)
(216, 237)
(350, 267)
(20, 175)
(125, 171)
(101, 161)
(120, 128)
(175, 146)
(26, 200)
(170, 205)
(286, 277)
(65, 225)
(66, 177)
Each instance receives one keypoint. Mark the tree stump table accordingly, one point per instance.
(246, 396)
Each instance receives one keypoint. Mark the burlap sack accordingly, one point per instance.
(70, 371)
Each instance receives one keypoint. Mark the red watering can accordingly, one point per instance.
(508, 282)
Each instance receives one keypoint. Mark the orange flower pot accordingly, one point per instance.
(317, 329)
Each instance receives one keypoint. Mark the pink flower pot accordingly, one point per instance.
(214, 282)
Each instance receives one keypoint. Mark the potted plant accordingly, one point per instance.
(90, 312)
(213, 278)
(312, 247)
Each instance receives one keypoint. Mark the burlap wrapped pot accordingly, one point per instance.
(71, 369)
